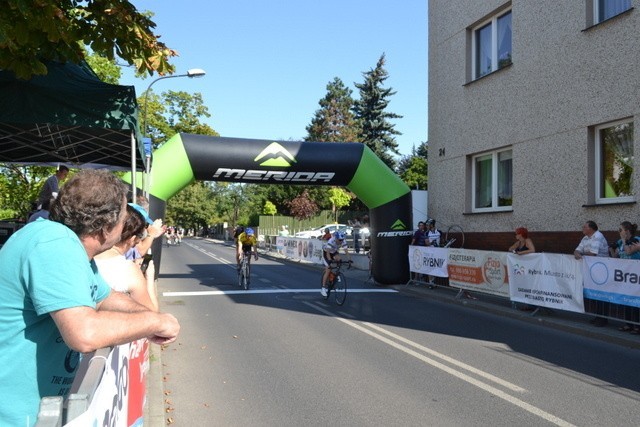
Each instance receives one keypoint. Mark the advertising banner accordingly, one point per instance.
(428, 260)
(301, 249)
(481, 271)
(546, 280)
(612, 279)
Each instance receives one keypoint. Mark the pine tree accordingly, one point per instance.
(334, 121)
(375, 129)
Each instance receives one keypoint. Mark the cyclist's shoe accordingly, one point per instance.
(323, 291)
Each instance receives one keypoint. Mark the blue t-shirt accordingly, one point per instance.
(44, 268)
(622, 254)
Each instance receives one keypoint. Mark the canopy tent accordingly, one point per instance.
(69, 116)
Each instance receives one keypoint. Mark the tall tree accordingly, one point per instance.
(370, 111)
(334, 121)
(414, 168)
(33, 32)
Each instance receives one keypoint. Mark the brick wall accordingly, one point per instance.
(561, 242)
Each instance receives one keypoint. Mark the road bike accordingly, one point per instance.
(454, 237)
(244, 273)
(337, 282)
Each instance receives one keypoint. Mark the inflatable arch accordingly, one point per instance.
(185, 158)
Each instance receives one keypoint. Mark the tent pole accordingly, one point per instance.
(133, 167)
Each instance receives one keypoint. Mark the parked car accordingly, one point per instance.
(315, 233)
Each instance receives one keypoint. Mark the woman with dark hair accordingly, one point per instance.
(125, 275)
(523, 244)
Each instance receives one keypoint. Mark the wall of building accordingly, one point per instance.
(564, 79)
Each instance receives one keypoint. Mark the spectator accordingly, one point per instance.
(432, 233)
(56, 305)
(327, 235)
(594, 244)
(355, 232)
(43, 212)
(420, 235)
(284, 231)
(523, 244)
(51, 186)
(365, 232)
(122, 274)
(628, 247)
(155, 229)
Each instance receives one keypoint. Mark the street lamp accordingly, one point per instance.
(194, 72)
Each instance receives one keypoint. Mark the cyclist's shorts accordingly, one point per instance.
(327, 258)
(246, 248)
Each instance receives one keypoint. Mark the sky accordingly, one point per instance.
(268, 63)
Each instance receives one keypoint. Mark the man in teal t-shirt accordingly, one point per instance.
(54, 303)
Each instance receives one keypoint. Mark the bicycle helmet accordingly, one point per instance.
(249, 231)
(338, 235)
(430, 221)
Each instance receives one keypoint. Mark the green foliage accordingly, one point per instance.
(173, 112)
(106, 69)
(20, 186)
(39, 30)
(269, 208)
(193, 207)
(414, 168)
(339, 198)
(370, 111)
(334, 121)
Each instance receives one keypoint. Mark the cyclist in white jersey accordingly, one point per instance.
(331, 252)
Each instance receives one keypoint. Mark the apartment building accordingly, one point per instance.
(534, 118)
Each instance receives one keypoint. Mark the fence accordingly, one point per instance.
(606, 287)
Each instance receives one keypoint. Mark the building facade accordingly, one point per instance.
(534, 111)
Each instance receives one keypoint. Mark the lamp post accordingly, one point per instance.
(194, 72)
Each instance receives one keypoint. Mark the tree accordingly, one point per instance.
(34, 32)
(414, 168)
(269, 208)
(376, 131)
(334, 120)
(339, 199)
(21, 186)
(192, 207)
(173, 112)
(302, 207)
(106, 69)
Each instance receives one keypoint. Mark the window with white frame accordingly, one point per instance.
(492, 181)
(491, 45)
(614, 162)
(605, 9)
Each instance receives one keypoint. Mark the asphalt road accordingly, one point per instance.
(279, 355)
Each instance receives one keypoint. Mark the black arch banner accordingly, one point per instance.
(185, 158)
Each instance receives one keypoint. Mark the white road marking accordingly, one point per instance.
(483, 386)
(268, 291)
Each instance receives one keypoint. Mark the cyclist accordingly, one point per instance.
(246, 243)
(331, 252)
(433, 234)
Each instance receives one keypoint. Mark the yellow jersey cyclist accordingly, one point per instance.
(246, 243)
(331, 252)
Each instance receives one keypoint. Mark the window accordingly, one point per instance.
(605, 9)
(492, 181)
(491, 45)
(614, 162)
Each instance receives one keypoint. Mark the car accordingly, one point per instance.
(317, 232)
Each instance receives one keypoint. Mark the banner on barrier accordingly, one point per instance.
(482, 271)
(546, 280)
(301, 249)
(428, 260)
(612, 279)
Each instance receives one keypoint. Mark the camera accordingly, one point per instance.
(145, 262)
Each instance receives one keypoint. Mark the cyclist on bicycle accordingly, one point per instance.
(331, 252)
(246, 242)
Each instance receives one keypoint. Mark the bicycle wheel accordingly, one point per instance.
(454, 237)
(243, 276)
(340, 289)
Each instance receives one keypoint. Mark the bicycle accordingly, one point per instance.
(454, 237)
(244, 273)
(336, 281)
